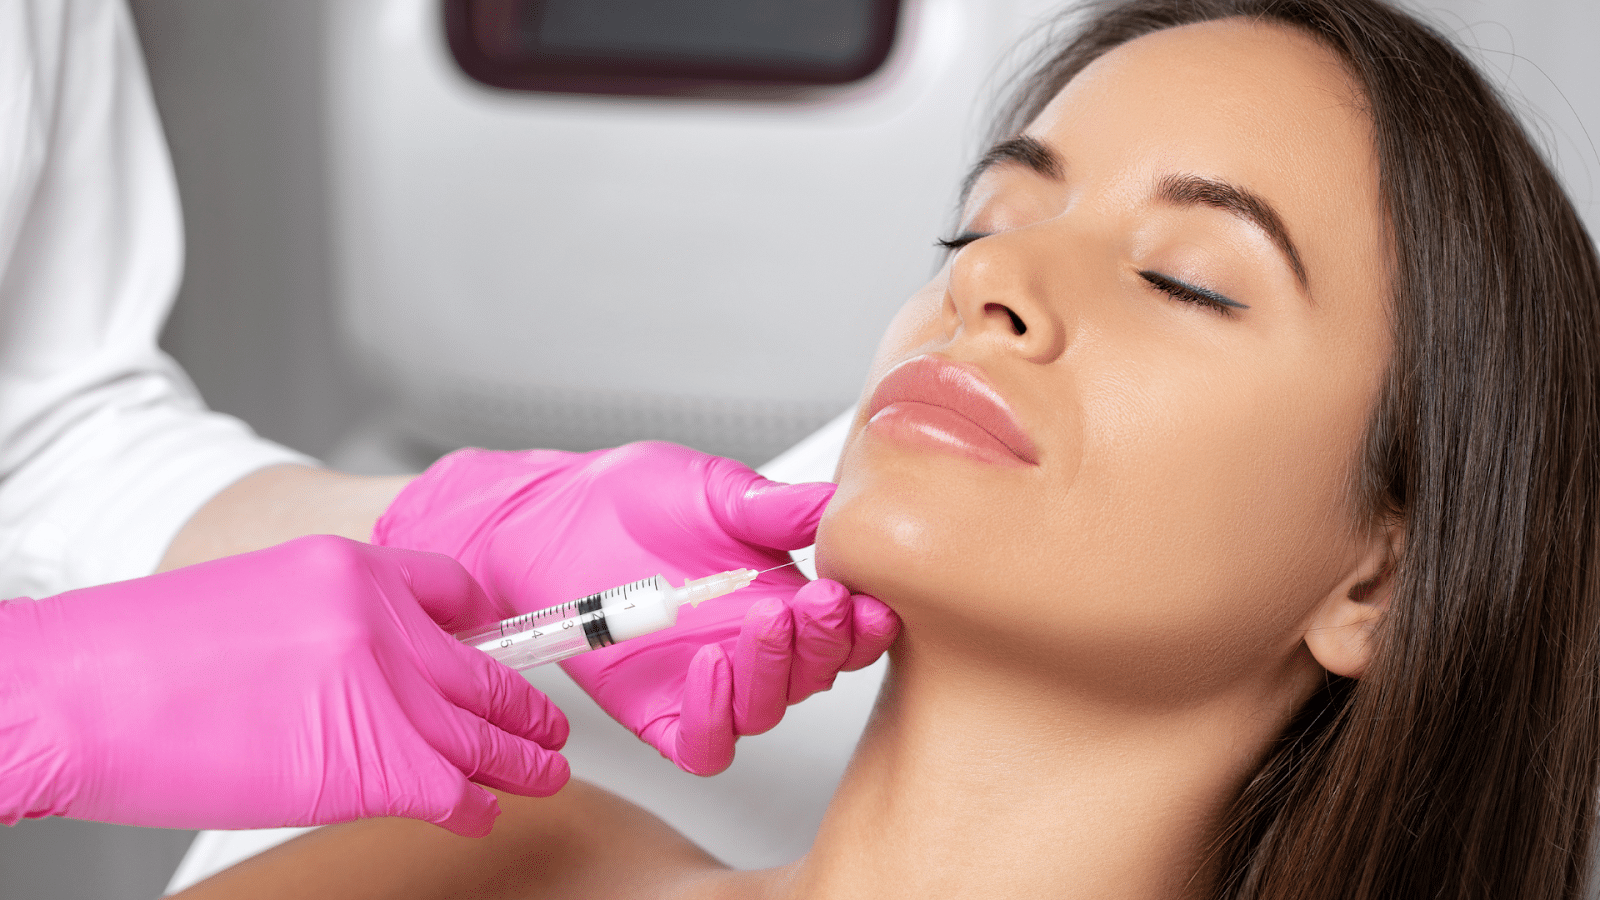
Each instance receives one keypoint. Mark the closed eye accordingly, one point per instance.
(961, 240)
(1173, 288)
(1188, 293)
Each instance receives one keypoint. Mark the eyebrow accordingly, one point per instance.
(1027, 151)
(1194, 190)
(1179, 190)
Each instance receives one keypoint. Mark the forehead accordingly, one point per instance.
(1261, 105)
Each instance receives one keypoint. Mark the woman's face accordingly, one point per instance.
(1117, 433)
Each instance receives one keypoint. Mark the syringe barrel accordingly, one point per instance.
(558, 632)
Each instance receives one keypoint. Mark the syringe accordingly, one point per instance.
(598, 620)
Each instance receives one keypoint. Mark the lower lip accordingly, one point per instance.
(940, 428)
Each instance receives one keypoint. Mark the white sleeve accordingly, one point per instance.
(105, 447)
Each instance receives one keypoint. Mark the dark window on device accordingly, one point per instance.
(669, 46)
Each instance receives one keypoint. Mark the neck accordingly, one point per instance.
(976, 780)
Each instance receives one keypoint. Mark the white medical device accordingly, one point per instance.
(524, 265)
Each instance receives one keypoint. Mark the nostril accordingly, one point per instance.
(1017, 325)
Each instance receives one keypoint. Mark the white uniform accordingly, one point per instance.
(105, 447)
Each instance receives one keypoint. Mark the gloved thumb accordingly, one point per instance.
(473, 815)
(769, 513)
(447, 591)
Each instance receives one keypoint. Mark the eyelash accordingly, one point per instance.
(1173, 288)
(960, 240)
(1177, 290)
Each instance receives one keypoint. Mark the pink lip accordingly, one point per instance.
(930, 400)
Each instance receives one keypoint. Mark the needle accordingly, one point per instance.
(792, 562)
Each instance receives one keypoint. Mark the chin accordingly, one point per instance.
(909, 526)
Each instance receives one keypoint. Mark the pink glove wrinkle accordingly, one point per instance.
(543, 527)
(303, 684)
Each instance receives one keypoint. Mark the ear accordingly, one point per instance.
(1339, 633)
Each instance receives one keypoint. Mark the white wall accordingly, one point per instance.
(240, 87)
(1541, 53)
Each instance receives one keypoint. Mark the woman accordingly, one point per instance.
(1233, 484)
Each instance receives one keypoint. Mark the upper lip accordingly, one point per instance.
(958, 387)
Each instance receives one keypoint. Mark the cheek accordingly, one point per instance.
(1232, 493)
(917, 326)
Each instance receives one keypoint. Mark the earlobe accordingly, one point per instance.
(1340, 633)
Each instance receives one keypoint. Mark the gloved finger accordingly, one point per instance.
(762, 661)
(822, 614)
(874, 628)
(473, 813)
(447, 592)
(494, 692)
(491, 757)
(703, 740)
(765, 513)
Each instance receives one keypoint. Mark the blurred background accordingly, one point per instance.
(415, 225)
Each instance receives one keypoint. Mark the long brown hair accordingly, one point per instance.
(1464, 763)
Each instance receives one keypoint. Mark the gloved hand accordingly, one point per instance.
(302, 684)
(543, 527)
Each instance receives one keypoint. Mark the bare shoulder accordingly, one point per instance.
(583, 842)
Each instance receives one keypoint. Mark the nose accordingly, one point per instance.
(998, 292)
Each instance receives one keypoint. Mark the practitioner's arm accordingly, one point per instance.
(280, 503)
(582, 842)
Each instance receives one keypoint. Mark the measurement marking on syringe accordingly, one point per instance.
(508, 640)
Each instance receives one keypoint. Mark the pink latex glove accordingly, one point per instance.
(302, 684)
(543, 527)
